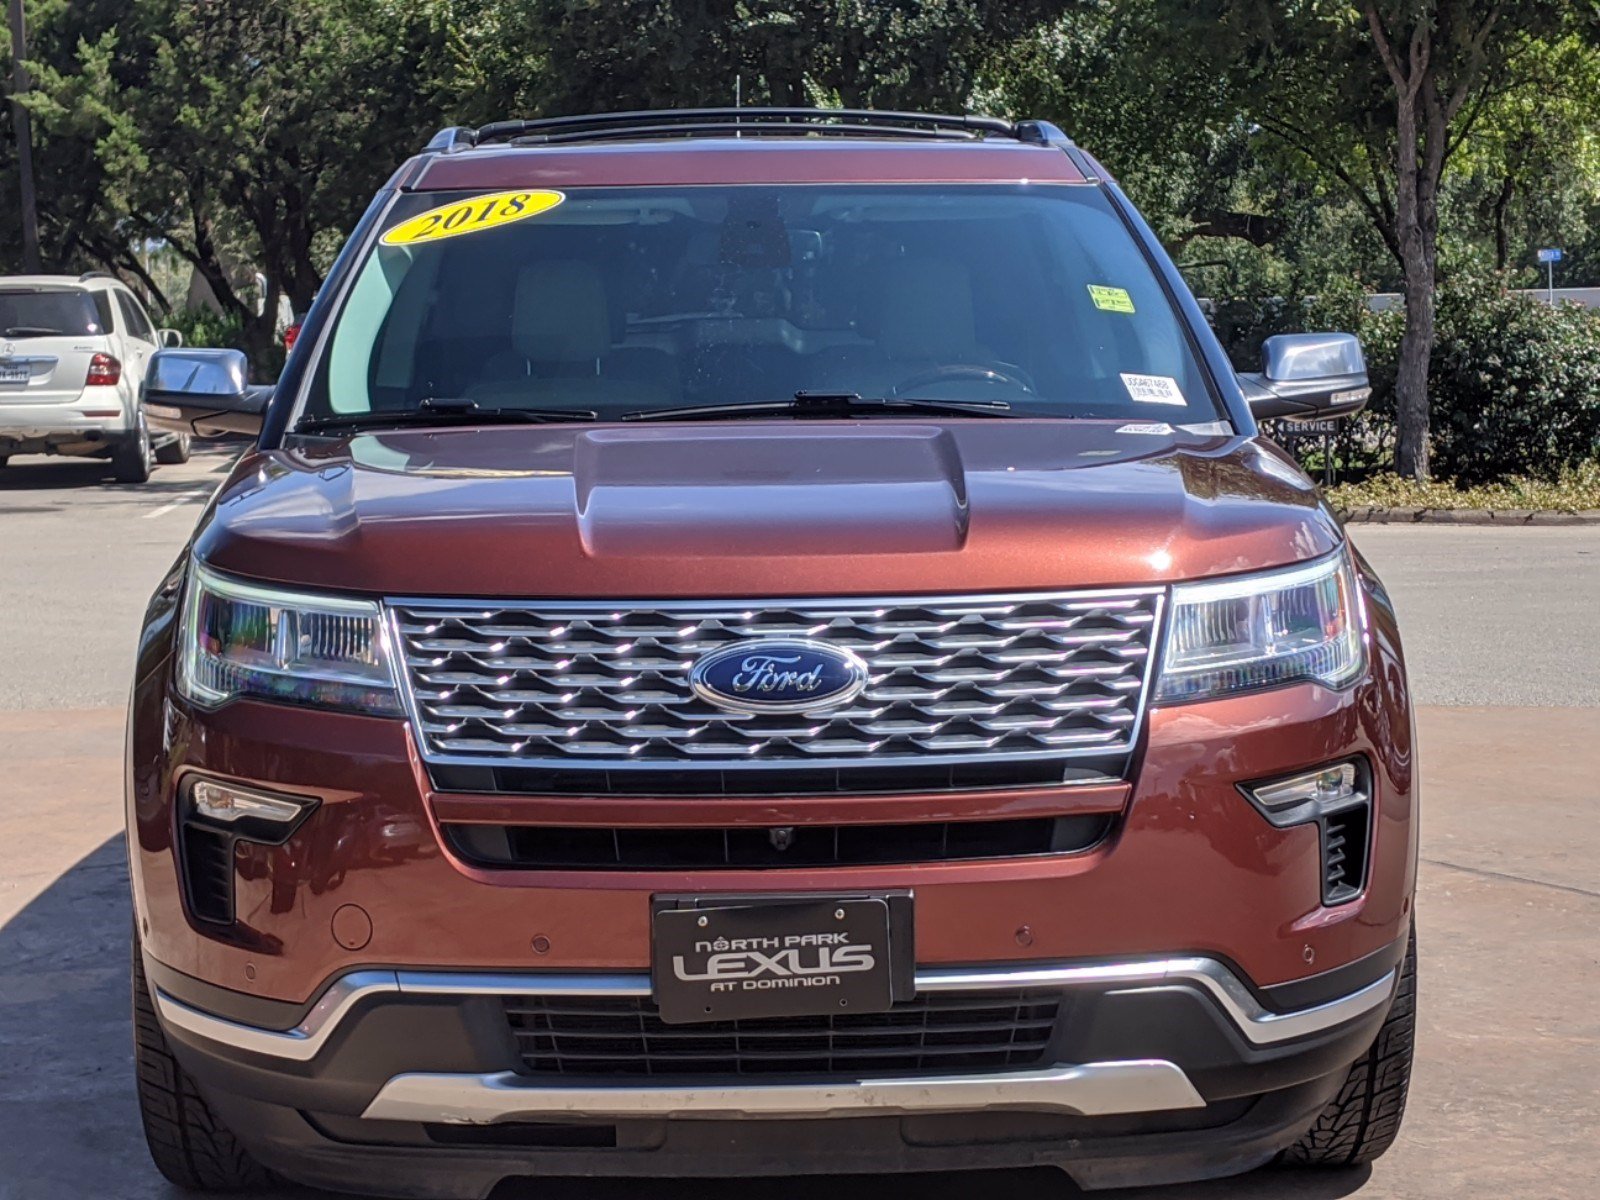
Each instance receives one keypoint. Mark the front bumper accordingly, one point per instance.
(1163, 1070)
(350, 1021)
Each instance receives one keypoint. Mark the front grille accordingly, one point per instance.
(938, 1031)
(606, 688)
(706, 779)
(710, 848)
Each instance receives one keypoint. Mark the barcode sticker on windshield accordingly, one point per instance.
(1153, 389)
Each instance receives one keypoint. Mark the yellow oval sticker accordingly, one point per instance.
(472, 215)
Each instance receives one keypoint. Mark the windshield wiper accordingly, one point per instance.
(35, 331)
(444, 411)
(824, 404)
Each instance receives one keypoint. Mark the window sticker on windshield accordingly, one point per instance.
(472, 215)
(1111, 299)
(1153, 389)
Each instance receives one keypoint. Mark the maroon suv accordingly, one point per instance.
(765, 641)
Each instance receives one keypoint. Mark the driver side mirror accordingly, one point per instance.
(1305, 376)
(203, 392)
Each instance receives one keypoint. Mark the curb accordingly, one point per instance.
(1373, 515)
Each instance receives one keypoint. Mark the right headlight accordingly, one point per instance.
(1259, 631)
(252, 640)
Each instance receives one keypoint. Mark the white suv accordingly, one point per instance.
(73, 352)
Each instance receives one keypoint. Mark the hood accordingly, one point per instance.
(804, 508)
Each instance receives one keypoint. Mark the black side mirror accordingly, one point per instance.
(204, 392)
(1305, 376)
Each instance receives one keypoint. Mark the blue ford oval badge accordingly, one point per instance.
(761, 676)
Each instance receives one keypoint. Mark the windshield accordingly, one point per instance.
(628, 301)
(49, 313)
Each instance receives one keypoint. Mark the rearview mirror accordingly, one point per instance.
(170, 337)
(1308, 375)
(204, 392)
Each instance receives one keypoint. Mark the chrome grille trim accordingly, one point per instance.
(605, 684)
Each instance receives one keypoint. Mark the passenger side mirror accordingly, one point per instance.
(1308, 375)
(204, 392)
(169, 337)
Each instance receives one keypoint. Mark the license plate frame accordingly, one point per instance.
(796, 938)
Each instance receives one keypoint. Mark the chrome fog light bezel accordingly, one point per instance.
(1308, 795)
(249, 813)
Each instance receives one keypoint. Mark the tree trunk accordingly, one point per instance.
(1416, 344)
(1502, 202)
(1411, 379)
(1412, 198)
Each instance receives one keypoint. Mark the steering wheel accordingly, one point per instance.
(959, 371)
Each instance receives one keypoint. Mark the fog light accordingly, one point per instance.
(1325, 786)
(245, 812)
(1337, 800)
(1310, 795)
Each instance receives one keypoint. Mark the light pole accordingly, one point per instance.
(22, 125)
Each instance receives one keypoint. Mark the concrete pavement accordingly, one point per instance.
(79, 557)
(1504, 1103)
(1494, 616)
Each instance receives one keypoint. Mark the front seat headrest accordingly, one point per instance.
(559, 313)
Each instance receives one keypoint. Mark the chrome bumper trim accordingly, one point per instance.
(299, 1044)
(1091, 1090)
(1258, 1025)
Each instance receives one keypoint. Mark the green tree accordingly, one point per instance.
(77, 229)
(1409, 82)
(238, 132)
(548, 57)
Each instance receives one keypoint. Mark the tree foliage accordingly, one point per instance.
(1305, 149)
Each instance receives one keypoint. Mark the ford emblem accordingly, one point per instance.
(761, 676)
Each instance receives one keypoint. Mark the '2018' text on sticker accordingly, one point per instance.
(472, 215)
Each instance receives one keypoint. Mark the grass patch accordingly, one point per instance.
(1576, 490)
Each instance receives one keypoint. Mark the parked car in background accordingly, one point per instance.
(786, 652)
(73, 355)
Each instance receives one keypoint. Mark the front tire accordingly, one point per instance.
(132, 460)
(173, 451)
(1362, 1121)
(190, 1146)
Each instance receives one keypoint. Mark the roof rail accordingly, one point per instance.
(1042, 132)
(452, 137)
(88, 275)
(704, 122)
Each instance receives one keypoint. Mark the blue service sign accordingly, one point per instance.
(1549, 256)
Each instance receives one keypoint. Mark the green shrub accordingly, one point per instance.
(1514, 383)
(202, 327)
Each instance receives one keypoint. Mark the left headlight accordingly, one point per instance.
(247, 640)
(1258, 631)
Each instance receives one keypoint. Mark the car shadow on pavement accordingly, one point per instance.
(71, 1125)
(40, 473)
(45, 474)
